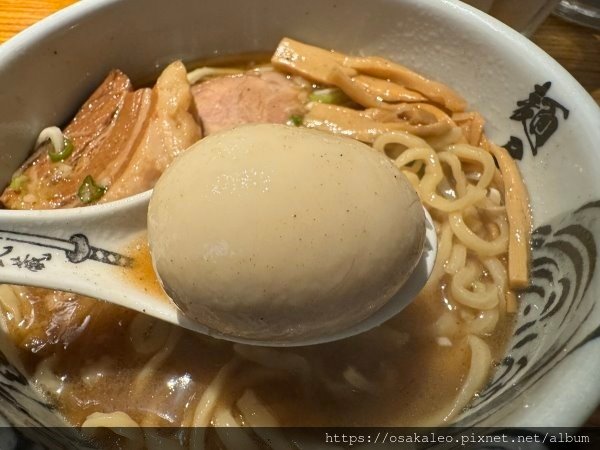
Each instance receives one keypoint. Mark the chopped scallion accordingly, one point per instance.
(62, 154)
(89, 191)
(18, 182)
(332, 96)
(296, 120)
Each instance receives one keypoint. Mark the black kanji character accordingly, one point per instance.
(30, 263)
(7, 249)
(515, 147)
(538, 114)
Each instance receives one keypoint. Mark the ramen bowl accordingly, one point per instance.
(532, 106)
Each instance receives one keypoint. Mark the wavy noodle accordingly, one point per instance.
(472, 196)
(418, 150)
(236, 438)
(470, 208)
(489, 206)
(479, 369)
(477, 154)
(469, 291)
(412, 178)
(52, 134)
(7, 346)
(473, 242)
(498, 273)
(223, 418)
(415, 168)
(202, 73)
(153, 440)
(358, 380)
(10, 303)
(148, 334)
(109, 420)
(447, 325)
(457, 259)
(92, 373)
(399, 137)
(484, 323)
(208, 400)
(45, 377)
(207, 403)
(460, 181)
(145, 375)
(275, 359)
(256, 415)
(119, 423)
(254, 412)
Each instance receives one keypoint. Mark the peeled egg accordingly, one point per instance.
(272, 232)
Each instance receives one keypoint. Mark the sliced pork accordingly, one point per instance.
(171, 129)
(253, 97)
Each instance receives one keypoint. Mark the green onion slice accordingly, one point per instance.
(62, 154)
(89, 191)
(330, 95)
(296, 120)
(18, 183)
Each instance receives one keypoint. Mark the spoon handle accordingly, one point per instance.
(71, 250)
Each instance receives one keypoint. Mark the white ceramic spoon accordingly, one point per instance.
(84, 250)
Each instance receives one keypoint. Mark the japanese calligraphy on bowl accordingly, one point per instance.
(540, 116)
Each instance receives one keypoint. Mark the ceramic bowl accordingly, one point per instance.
(549, 375)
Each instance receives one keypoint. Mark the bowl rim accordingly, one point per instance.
(572, 410)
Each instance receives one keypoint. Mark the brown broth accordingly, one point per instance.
(142, 273)
(246, 61)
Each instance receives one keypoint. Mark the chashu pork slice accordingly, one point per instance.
(253, 97)
(99, 132)
(171, 129)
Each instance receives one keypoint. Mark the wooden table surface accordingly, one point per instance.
(576, 48)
